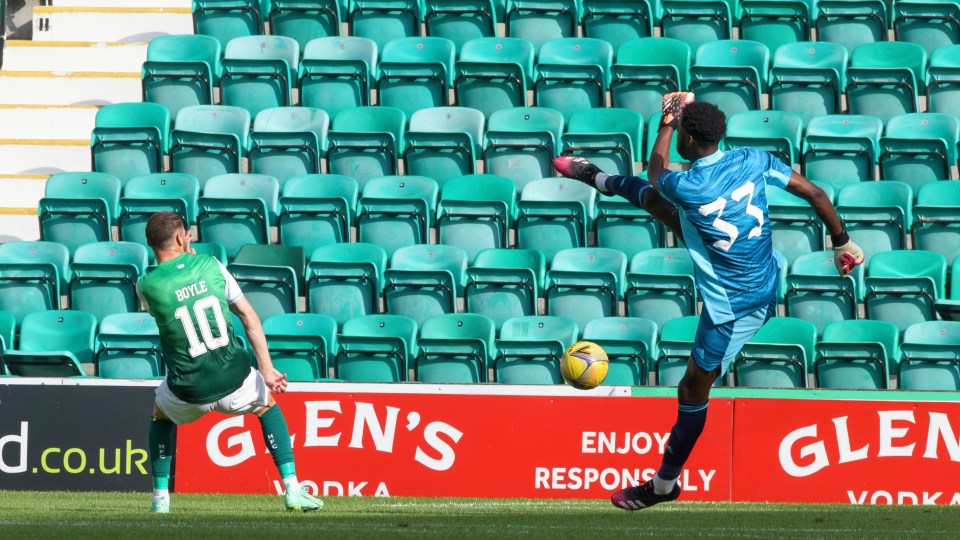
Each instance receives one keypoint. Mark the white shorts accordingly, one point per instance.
(251, 395)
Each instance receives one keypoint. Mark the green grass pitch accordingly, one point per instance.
(60, 515)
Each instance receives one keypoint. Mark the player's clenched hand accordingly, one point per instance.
(847, 257)
(276, 381)
(672, 107)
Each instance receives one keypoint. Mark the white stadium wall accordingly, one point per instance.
(67, 56)
(55, 23)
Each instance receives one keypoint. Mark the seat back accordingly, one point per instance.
(460, 20)
(647, 68)
(304, 21)
(779, 355)
(807, 78)
(396, 211)
(238, 209)
(918, 148)
(345, 280)
(504, 283)
(61, 330)
(776, 23)
(877, 214)
(943, 80)
(494, 73)
(288, 141)
(33, 275)
(630, 344)
(573, 74)
(337, 73)
(540, 21)
(384, 20)
(857, 354)
(660, 285)
(128, 347)
(929, 359)
(885, 78)
(366, 142)
(443, 142)
(259, 72)
(130, 139)
(270, 277)
(376, 348)
(585, 283)
(902, 286)
(731, 74)
(476, 212)
(158, 192)
(554, 214)
(455, 348)
(928, 24)
(610, 138)
(851, 23)
(817, 294)
(424, 281)
(302, 345)
(227, 19)
(317, 210)
(529, 349)
(521, 142)
(617, 21)
(696, 22)
(839, 148)
(776, 132)
(675, 344)
(209, 140)
(105, 276)
(79, 208)
(181, 71)
(416, 73)
(935, 224)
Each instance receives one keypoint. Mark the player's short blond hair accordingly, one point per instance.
(162, 227)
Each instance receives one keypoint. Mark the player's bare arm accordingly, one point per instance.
(276, 381)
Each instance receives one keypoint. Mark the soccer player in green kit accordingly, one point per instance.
(207, 370)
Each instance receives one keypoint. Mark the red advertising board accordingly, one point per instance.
(464, 445)
(856, 452)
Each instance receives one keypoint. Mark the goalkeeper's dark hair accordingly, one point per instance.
(162, 227)
(704, 122)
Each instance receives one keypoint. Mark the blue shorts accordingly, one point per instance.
(717, 344)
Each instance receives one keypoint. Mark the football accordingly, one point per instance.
(584, 365)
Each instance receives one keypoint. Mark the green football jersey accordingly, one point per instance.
(189, 297)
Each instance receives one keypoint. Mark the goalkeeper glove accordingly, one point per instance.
(672, 107)
(847, 255)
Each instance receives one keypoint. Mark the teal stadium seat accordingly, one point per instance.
(622, 226)
(731, 74)
(238, 209)
(270, 277)
(660, 285)
(302, 345)
(521, 142)
(554, 214)
(885, 78)
(696, 22)
(317, 210)
(209, 140)
(857, 354)
(529, 349)
(416, 73)
(618, 21)
(630, 344)
(585, 283)
(53, 344)
(211, 249)
(777, 132)
(128, 347)
(494, 73)
(936, 221)
(33, 275)
(104, 278)
(443, 142)
(145, 195)
(345, 281)
(376, 348)
(647, 68)
(460, 20)
(779, 355)
(928, 23)
(455, 348)
(397, 211)
(807, 78)
(476, 212)
(337, 73)
(366, 142)
(929, 358)
(181, 71)
(304, 20)
(902, 286)
(919, 148)
(288, 142)
(611, 138)
(259, 72)
(424, 281)
(842, 148)
(539, 21)
(130, 139)
(504, 283)
(851, 22)
(573, 74)
(776, 23)
(675, 344)
(818, 294)
(943, 80)
(384, 20)
(79, 208)
(877, 214)
(227, 19)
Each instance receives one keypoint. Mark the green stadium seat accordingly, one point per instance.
(415, 73)
(777, 132)
(301, 344)
(209, 140)
(366, 142)
(841, 148)
(621, 225)
(259, 72)
(33, 275)
(238, 209)
(630, 344)
(227, 19)
(851, 22)
(270, 277)
(611, 138)
(376, 348)
(660, 285)
(928, 23)
(145, 195)
(539, 21)
(617, 21)
(424, 281)
(585, 283)
(554, 214)
(79, 208)
(943, 80)
(212, 249)
(304, 20)
(776, 23)
(779, 355)
(129, 347)
(675, 344)
(316, 210)
(529, 349)
(698, 22)
(494, 73)
(807, 78)
(476, 212)
(884, 78)
(521, 142)
(919, 148)
(857, 354)
(818, 294)
(288, 142)
(504, 283)
(397, 211)
(337, 73)
(936, 221)
(795, 226)
(647, 68)
(455, 348)
(53, 344)
(731, 74)
(460, 20)
(902, 286)
(104, 277)
(929, 359)
(181, 71)
(443, 142)
(384, 20)
(130, 139)
(877, 214)
(345, 281)
(573, 74)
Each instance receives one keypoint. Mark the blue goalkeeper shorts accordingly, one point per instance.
(717, 344)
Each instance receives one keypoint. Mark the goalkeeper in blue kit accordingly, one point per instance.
(719, 210)
(207, 369)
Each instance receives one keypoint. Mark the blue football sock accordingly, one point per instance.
(628, 187)
(690, 421)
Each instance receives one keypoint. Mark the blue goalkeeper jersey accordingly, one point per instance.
(722, 205)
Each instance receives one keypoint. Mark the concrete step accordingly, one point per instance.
(39, 156)
(125, 3)
(47, 121)
(68, 88)
(54, 23)
(18, 213)
(25, 55)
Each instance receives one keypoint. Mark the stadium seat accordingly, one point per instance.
(529, 349)
(776, 132)
(851, 22)
(130, 139)
(227, 19)
(776, 22)
(129, 347)
(902, 286)
(211, 249)
(376, 348)
(949, 309)
(209, 140)
(301, 344)
(840, 149)
(645, 69)
(288, 142)
(181, 71)
(929, 359)
(494, 73)
(53, 344)
(618, 21)
(79, 208)
(919, 148)
(660, 285)
(304, 20)
(818, 294)
(539, 21)
(779, 355)
(573, 74)
(621, 225)
(928, 23)
(807, 78)
(731, 74)
(675, 344)
(159, 192)
(259, 72)
(611, 138)
(460, 20)
(104, 277)
(270, 277)
(337, 73)
(384, 20)
(697, 22)
(415, 73)
(8, 327)
(316, 210)
(630, 344)
(504, 283)
(856, 354)
(33, 275)
(455, 348)
(936, 226)
(366, 142)
(424, 281)
(943, 80)
(238, 209)
(345, 281)
(877, 214)
(795, 226)
(443, 142)
(521, 142)
(554, 214)
(397, 211)
(585, 283)
(476, 212)
(884, 79)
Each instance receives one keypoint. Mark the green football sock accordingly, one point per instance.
(161, 452)
(277, 437)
